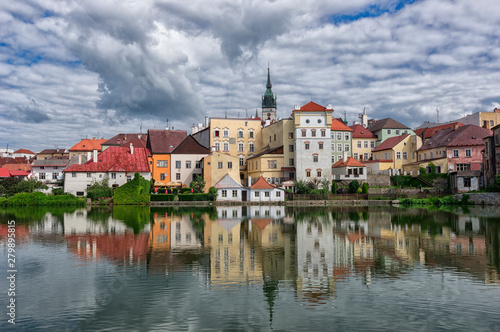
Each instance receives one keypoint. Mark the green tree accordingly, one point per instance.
(364, 188)
(325, 185)
(198, 185)
(301, 187)
(353, 186)
(334, 187)
(99, 189)
(212, 191)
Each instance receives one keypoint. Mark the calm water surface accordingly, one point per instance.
(253, 269)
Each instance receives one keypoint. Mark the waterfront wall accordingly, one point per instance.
(481, 198)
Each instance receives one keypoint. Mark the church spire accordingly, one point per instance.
(269, 100)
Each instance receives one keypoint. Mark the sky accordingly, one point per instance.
(96, 68)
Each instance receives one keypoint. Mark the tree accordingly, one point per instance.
(301, 187)
(334, 187)
(16, 185)
(313, 183)
(198, 185)
(353, 186)
(325, 185)
(364, 188)
(212, 191)
(100, 189)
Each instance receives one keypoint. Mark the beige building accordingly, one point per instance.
(363, 142)
(399, 150)
(281, 134)
(486, 120)
(267, 164)
(218, 164)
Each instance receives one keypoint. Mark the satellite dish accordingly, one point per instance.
(449, 156)
(451, 167)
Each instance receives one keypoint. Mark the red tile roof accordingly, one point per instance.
(115, 159)
(17, 167)
(4, 173)
(338, 124)
(190, 146)
(24, 151)
(261, 184)
(361, 132)
(20, 173)
(122, 138)
(312, 107)
(52, 151)
(386, 123)
(18, 160)
(136, 142)
(164, 141)
(88, 145)
(390, 143)
(426, 133)
(351, 162)
(469, 135)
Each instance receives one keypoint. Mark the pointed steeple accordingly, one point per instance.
(269, 100)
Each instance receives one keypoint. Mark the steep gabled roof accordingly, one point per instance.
(390, 143)
(88, 145)
(261, 184)
(313, 107)
(17, 167)
(227, 182)
(190, 146)
(124, 138)
(20, 173)
(115, 159)
(426, 133)
(351, 162)
(361, 132)
(25, 151)
(339, 125)
(164, 141)
(4, 173)
(469, 135)
(136, 143)
(52, 151)
(386, 123)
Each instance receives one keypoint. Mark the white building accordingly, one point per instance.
(262, 191)
(186, 161)
(228, 189)
(49, 171)
(350, 169)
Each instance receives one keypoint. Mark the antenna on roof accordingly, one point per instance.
(167, 125)
(225, 114)
(246, 113)
(141, 129)
(437, 115)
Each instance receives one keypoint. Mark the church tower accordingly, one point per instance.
(269, 101)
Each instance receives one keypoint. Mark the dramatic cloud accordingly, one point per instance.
(95, 68)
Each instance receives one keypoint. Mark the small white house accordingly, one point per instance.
(229, 190)
(350, 169)
(49, 171)
(262, 191)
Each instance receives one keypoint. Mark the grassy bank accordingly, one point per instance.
(41, 199)
(436, 201)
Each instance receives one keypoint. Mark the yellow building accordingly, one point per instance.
(218, 164)
(487, 120)
(268, 164)
(397, 151)
(281, 134)
(363, 142)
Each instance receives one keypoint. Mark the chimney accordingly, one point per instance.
(345, 156)
(455, 126)
(496, 110)
(249, 181)
(207, 121)
(80, 158)
(131, 148)
(89, 155)
(94, 159)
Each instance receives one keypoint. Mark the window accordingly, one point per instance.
(467, 182)
(217, 146)
(468, 153)
(225, 133)
(290, 162)
(323, 133)
(42, 167)
(251, 147)
(455, 154)
(339, 147)
(113, 175)
(346, 137)
(492, 123)
(313, 132)
(306, 146)
(89, 175)
(216, 133)
(389, 131)
(177, 164)
(318, 173)
(273, 164)
(129, 178)
(41, 176)
(224, 193)
(240, 134)
(177, 176)
(339, 136)
(256, 194)
(162, 177)
(241, 147)
(308, 174)
(398, 155)
(290, 135)
(462, 167)
(275, 137)
(359, 144)
(290, 148)
(250, 134)
(355, 156)
(372, 144)
(405, 155)
(225, 146)
(266, 194)
(229, 164)
(347, 148)
(365, 156)
(198, 164)
(303, 133)
(235, 193)
(333, 159)
(162, 163)
(242, 161)
(315, 158)
(219, 164)
(438, 169)
(188, 164)
(397, 131)
(365, 144)
(333, 147)
(320, 146)
(278, 194)
(73, 175)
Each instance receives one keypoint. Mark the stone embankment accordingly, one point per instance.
(481, 198)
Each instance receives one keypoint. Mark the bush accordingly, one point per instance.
(301, 187)
(99, 190)
(133, 192)
(334, 187)
(353, 186)
(41, 199)
(15, 185)
(57, 191)
(364, 188)
(194, 197)
(212, 191)
(185, 190)
(162, 197)
(198, 184)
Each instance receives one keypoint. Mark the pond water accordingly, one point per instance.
(252, 269)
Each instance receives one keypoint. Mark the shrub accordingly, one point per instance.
(135, 191)
(99, 189)
(353, 186)
(198, 184)
(162, 197)
(212, 191)
(194, 197)
(364, 188)
(57, 191)
(334, 187)
(41, 199)
(301, 187)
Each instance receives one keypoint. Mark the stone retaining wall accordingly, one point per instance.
(481, 198)
(377, 180)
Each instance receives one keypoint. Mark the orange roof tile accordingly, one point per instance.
(261, 184)
(338, 124)
(313, 107)
(351, 162)
(88, 145)
(361, 132)
(24, 151)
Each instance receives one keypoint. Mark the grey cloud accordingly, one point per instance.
(33, 112)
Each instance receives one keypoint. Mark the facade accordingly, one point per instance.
(137, 140)
(281, 134)
(23, 153)
(491, 156)
(228, 189)
(486, 120)
(49, 171)
(83, 150)
(387, 128)
(116, 164)
(341, 136)
(268, 164)
(218, 164)
(262, 191)
(49, 153)
(187, 161)
(401, 150)
(350, 169)
(455, 149)
(312, 124)
(161, 143)
(465, 181)
(363, 142)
